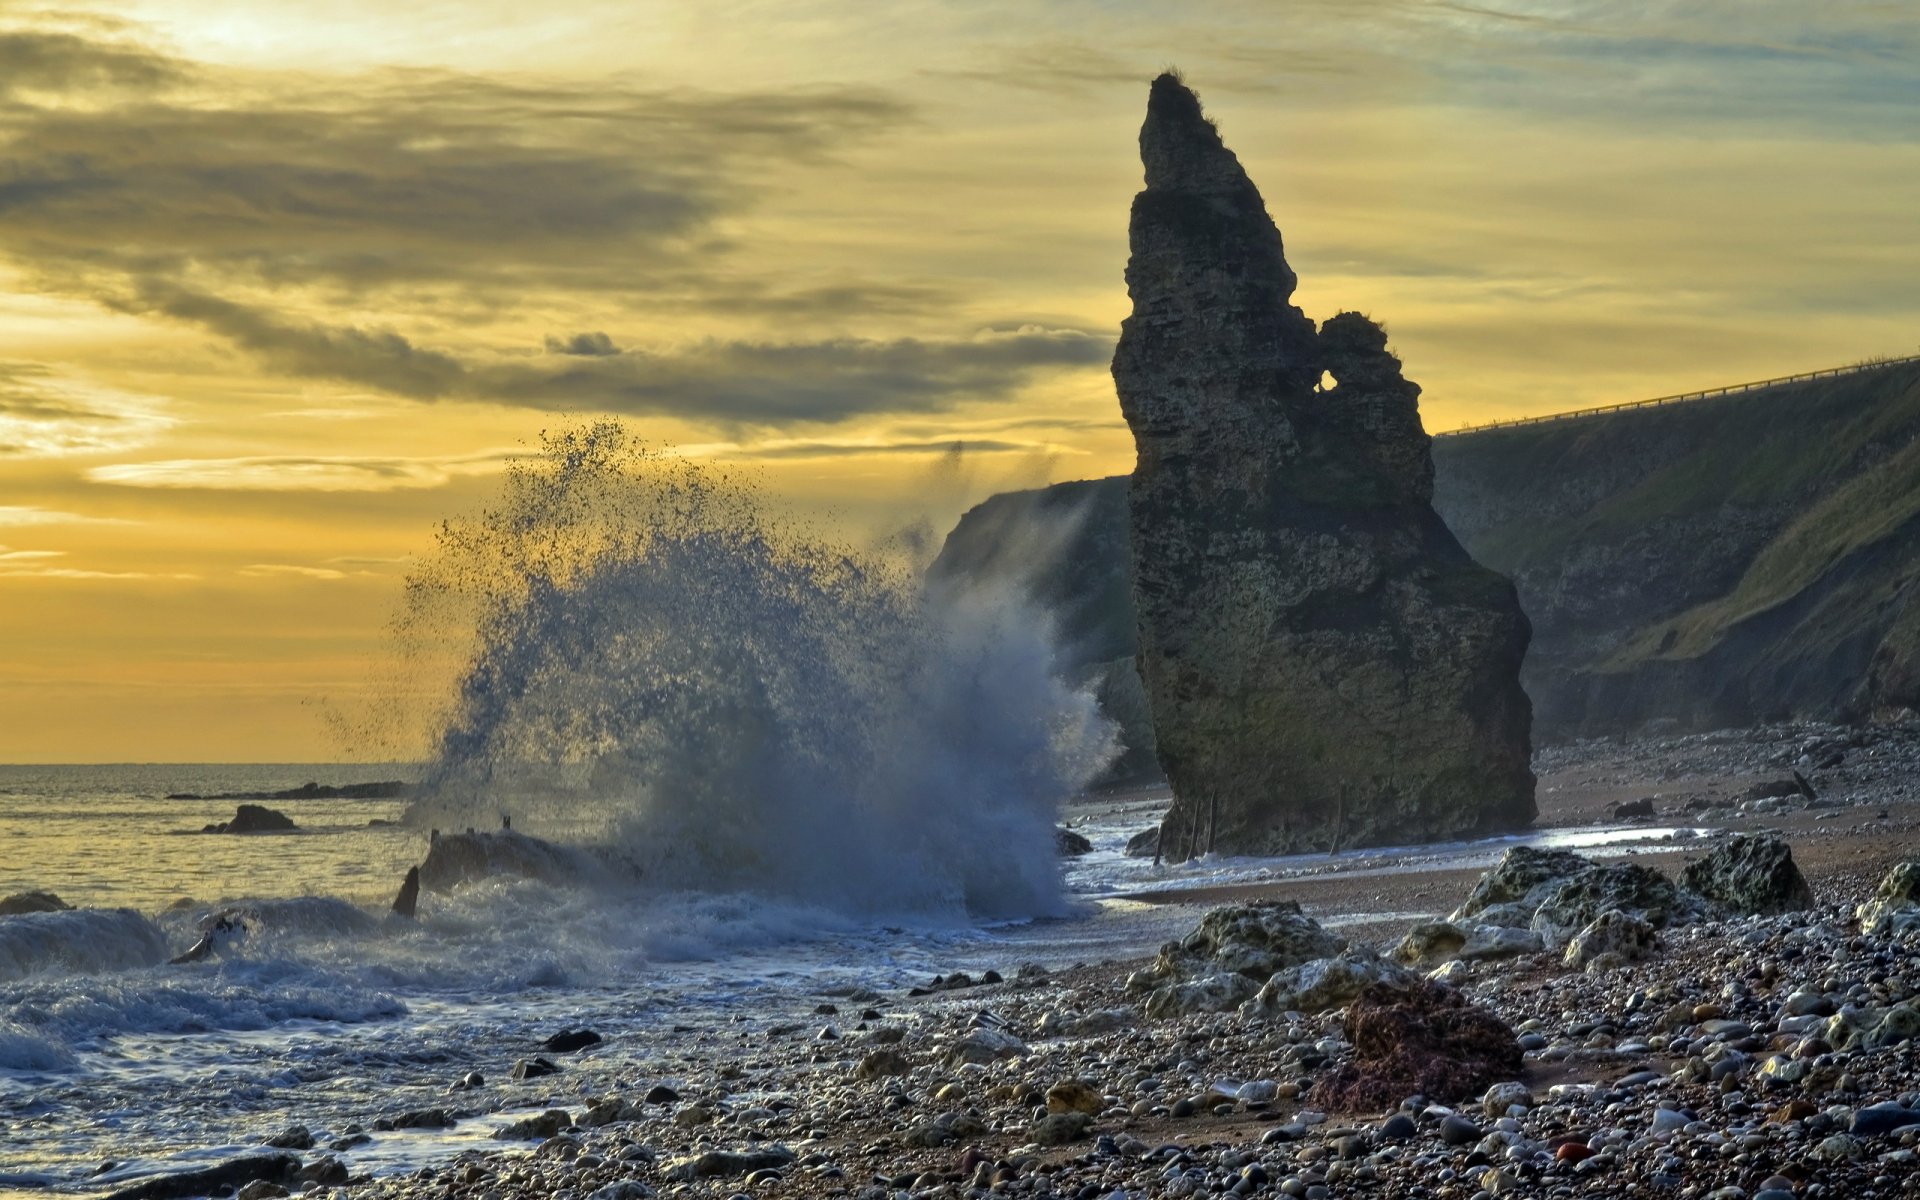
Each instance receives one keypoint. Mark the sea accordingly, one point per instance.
(330, 1013)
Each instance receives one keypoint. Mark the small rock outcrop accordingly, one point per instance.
(1424, 1040)
(1895, 907)
(1324, 663)
(254, 818)
(457, 858)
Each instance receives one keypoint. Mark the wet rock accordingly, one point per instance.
(1325, 983)
(719, 1164)
(1614, 938)
(293, 1137)
(232, 1174)
(1895, 906)
(660, 1093)
(254, 818)
(21, 903)
(534, 1068)
(261, 1189)
(540, 1125)
(457, 858)
(1750, 876)
(1071, 844)
(1420, 1040)
(1324, 664)
(326, 1171)
(569, 1040)
(417, 1118)
(1144, 844)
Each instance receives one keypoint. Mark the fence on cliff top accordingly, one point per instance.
(1733, 389)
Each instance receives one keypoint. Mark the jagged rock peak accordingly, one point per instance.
(1181, 149)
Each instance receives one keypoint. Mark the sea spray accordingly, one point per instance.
(719, 702)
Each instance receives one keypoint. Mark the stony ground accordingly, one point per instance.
(1705, 1072)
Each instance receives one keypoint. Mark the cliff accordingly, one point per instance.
(1705, 564)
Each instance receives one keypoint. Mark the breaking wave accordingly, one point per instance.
(656, 667)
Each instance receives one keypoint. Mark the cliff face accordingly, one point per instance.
(1324, 663)
(1706, 564)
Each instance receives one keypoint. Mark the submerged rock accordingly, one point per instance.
(1751, 876)
(32, 902)
(1324, 663)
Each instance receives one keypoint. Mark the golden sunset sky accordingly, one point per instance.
(282, 285)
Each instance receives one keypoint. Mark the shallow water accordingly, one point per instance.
(328, 1014)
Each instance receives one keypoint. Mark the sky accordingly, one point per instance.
(283, 286)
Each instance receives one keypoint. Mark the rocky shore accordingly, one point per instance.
(1734, 1020)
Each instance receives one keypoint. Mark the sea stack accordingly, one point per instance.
(1326, 666)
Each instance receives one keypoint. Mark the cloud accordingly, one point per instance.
(46, 413)
(588, 345)
(16, 515)
(298, 473)
(271, 570)
(826, 448)
(37, 564)
(55, 61)
(398, 177)
(715, 381)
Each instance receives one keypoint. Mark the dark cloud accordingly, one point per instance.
(728, 382)
(406, 177)
(585, 345)
(57, 61)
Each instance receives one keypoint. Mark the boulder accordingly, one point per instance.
(205, 1181)
(718, 1164)
(1254, 940)
(1433, 943)
(944, 1130)
(1639, 891)
(1144, 844)
(457, 858)
(1325, 983)
(1612, 939)
(1059, 1129)
(1873, 1028)
(1223, 991)
(1750, 876)
(1422, 1039)
(1522, 878)
(1895, 906)
(1071, 844)
(1325, 665)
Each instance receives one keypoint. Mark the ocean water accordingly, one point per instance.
(114, 1065)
